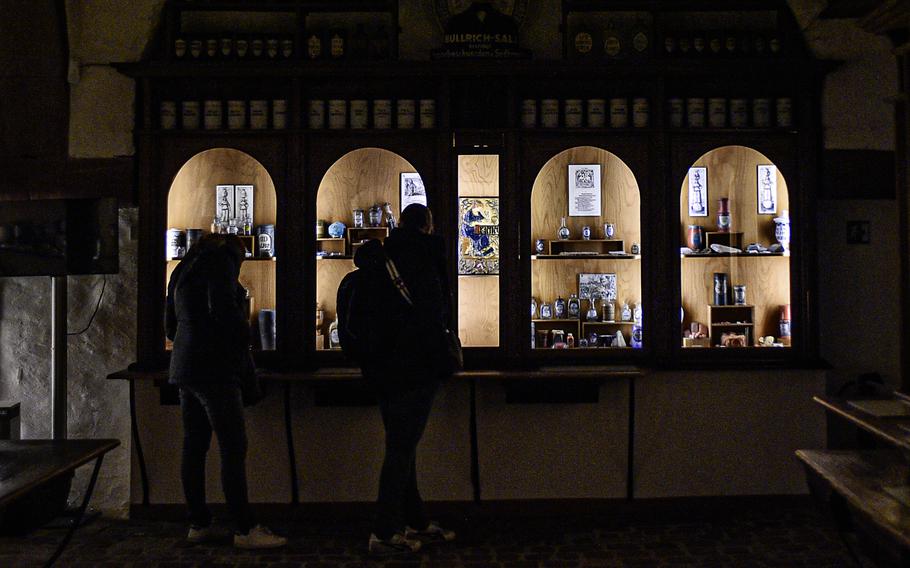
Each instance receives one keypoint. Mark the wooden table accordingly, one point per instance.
(895, 431)
(342, 375)
(29, 464)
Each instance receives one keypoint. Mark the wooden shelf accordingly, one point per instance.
(586, 257)
(584, 323)
(597, 246)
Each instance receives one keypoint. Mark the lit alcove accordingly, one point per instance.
(734, 234)
(598, 266)
(192, 205)
(359, 180)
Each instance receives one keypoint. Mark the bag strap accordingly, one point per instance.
(398, 281)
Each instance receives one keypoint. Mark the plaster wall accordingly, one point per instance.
(856, 114)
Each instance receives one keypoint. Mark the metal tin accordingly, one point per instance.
(358, 218)
(717, 112)
(168, 115)
(316, 114)
(427, 113)
(279, 114)
(529, 113)
(406, 109)
(597, 109)
(190, 115)
(695, 112)
(619, 112)
(382, 113)
(192, 237)
(359, 113)
(549, 113)
(784, 112)
(259, 114)
(573, 113)
(635, 248)
(640, 112)
(761, 113)
(675, 112)
(212, 115)
(739, 113)
(320, 228)
(721, 285)
(338, 114)
(236, 115)
(265, 241)
(174, 244)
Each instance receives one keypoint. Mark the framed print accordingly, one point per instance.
(698, 192)
(224, 203)
(584, 190)
(243, 203)
(412, 189)
(766, 186)
(593, 286)
(478, 236)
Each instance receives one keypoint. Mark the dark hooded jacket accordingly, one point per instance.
(206, 320)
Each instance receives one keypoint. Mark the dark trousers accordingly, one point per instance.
(404, 415)
(219, 408)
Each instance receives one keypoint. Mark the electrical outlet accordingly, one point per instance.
(858, 233)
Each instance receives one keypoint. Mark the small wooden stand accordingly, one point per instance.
(737, 319)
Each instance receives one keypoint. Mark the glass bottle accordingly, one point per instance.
(546, 312)
(626, 312)
(563, 232)
(334, 342)
(533, 308)
(591, 314)
(389, 216)
(559, 308)
(723, 215)
(573, 306)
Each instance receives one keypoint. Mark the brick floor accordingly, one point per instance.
(783, 536)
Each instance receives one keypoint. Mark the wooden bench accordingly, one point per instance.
(29, 465)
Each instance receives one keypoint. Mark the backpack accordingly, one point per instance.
(371, 315)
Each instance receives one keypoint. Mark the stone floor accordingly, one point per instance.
(793, 535)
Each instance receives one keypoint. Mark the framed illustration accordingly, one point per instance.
(584, 190)
(766, 186)
(478, 236)
(412, 189)
(594, 286)
(243, 203)
(224, 203)
(698, 192)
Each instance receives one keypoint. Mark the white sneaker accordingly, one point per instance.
(198, 535)
(398, 544)
(433, 533)
(259, 537)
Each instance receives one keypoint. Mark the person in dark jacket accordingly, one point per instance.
(409, 381)
(207, 321)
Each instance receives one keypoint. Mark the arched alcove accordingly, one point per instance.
(558, 263)
(191, 204)
(756, 196)
(358, 180)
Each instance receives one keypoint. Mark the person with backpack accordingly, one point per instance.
(206, 318)
(394, 313)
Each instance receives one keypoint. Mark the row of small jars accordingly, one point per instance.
(721, 112)
(591, 113)
(211, 114)
(338, 114)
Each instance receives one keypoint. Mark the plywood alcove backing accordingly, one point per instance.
(620, 200)
(328, 276)
(478, 296)
(767, 280)
(191, 199)
(733, 173)
(559, 277)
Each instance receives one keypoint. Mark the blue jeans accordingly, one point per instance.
(206, 408)
(404, 415)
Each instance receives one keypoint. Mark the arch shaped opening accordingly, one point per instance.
(734, 230)
(197, 196)
(585, 243)
(358, 180)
